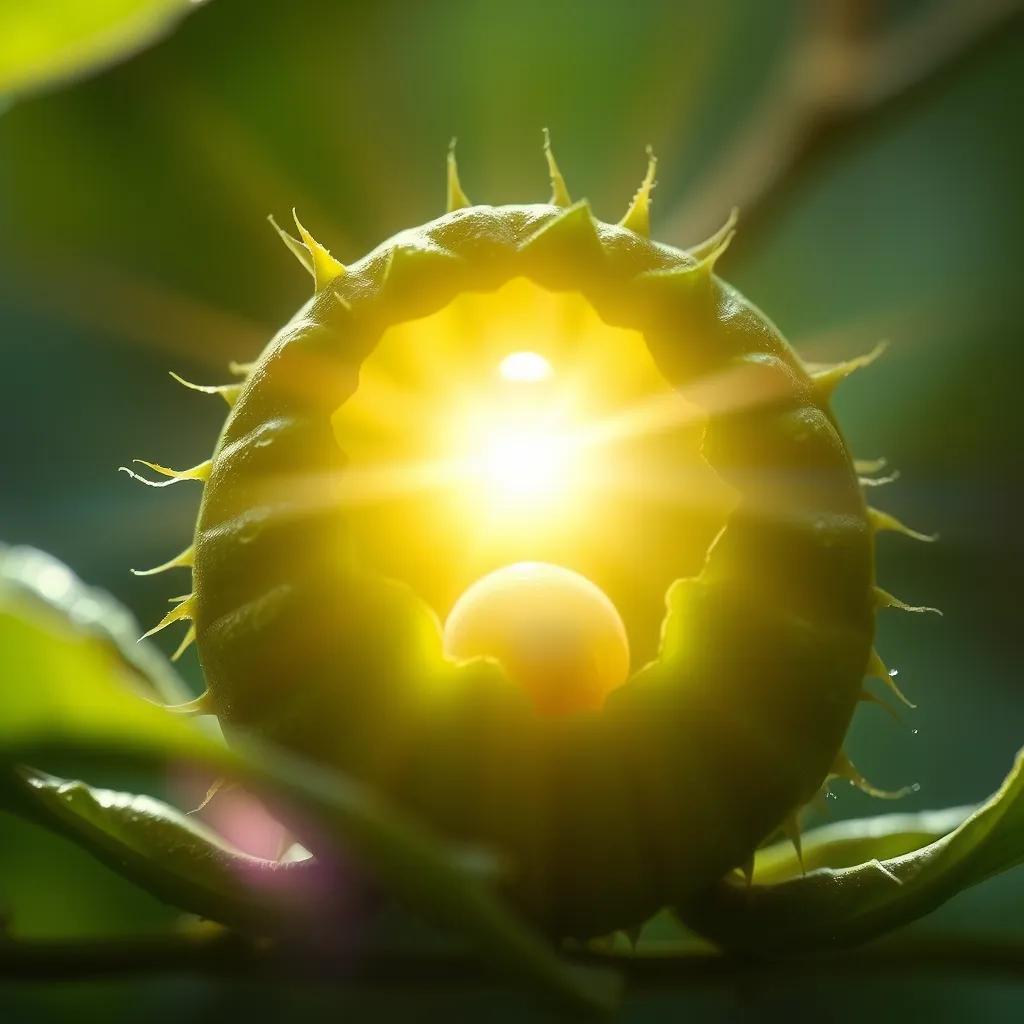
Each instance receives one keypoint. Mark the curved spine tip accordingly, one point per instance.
(200, 472)
(867, 697)
(185, 644)
(707, 264)
(559, 193)
(324, 267)
(638, 217)
(883, 599)
(877, 669)
(200, 705)
(229, 392)
(182, 561)
(883, 522)
(826, 379)
(715, 244)
(294, 246)
(879, 481)
(844, 768)
(219, 785)
(456, 197)
(574, 227)
(184, 610)
(867, 466)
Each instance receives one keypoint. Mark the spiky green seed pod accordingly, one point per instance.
(606, 814)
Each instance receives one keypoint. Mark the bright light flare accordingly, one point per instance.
(519, 444)
(525, 464)
(525, 367)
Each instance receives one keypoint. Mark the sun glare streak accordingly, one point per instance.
(130, 308)
(745, 387)
(523, 464)
(529, 459)
(516, 426)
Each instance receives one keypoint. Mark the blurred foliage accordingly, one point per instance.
(132, 206)
(69, 689)
(66, 691)
(48, 41)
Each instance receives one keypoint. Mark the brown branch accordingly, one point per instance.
(218, 954)
(841, 74)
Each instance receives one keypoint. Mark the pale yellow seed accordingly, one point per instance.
(551, 630)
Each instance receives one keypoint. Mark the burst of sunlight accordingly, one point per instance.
(525, 366)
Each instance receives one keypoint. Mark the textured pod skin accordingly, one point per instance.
(607, 816)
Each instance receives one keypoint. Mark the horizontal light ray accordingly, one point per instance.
(744, 387)
(131, 309)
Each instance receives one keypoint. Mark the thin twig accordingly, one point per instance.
(838, 78)
(217, 954)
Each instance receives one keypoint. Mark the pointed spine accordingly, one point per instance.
(217, 786)
(882, 522)
(710, 258)
(229, 392)
(719, 240)
(844, 768)
(691, 276)
(877, 669)
(325, 268)
(638, 216)
(883, 599)
(559, 193)
(827, 379)
(185, 610)
(879, 481)
(457, 199)
(186, 643)
(867, 697)
(575, 226)
(200, 472)
(868, 466)
(294, 246)
(197, 706)
(185, 560)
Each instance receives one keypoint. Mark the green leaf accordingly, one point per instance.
(48, 41)
(67, 687)
(33, 577)
(836, 907)
(845, 844)
(173, 856)
(66, 684)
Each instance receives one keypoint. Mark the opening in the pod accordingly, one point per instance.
(515, 428)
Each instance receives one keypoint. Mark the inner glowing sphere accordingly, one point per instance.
(551, 630)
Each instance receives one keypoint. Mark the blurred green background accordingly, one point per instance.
(132, 208)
